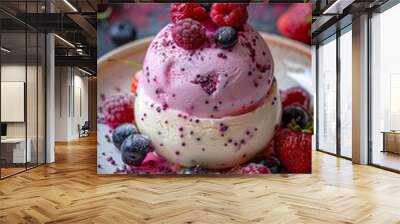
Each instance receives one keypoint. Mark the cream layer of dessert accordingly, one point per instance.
(211, 143)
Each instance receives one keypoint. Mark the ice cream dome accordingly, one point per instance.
(207, 94)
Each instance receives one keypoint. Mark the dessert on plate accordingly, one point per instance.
(206, 94)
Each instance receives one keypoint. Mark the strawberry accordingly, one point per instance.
(295, 23)
(134, 83)
(293, 149)
(296, 95)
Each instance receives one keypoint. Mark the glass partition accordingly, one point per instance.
(32, 96)
(41, 107)
(327, 96)
(14, 151)
(22, 77)
(32, 100)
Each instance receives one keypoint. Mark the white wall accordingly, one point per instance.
(61, 103)
(11, 73)
(80, 94)
(71, 94)
(16, 73)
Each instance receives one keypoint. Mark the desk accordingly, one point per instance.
(13, 150)
(391, 141)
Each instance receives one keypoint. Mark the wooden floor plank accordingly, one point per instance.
(70, 191)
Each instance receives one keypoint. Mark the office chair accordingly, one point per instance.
(84, 130)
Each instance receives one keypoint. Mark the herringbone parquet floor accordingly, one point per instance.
(70, 191)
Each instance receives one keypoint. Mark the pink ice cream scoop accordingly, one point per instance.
(209, 82)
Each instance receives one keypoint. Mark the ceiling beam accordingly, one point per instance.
(337, 7)
(84, 24)
(76, 61)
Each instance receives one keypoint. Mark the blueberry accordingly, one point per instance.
(134, 149)
(226, 37)
(122, 132)
(193, 170)
(296, 114)
(207, 6)
(271, 162)
(122, 33)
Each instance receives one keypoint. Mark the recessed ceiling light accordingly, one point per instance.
(84, 71)
(337, 7)
(5, 50)
(64, 40)
(70, 5)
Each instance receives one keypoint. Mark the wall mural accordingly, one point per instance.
(198, 89)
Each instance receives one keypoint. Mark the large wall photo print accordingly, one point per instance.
(204, 89)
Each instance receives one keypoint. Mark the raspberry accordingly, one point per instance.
(188, 34)
(271, 162)
(180, 11)
(229, 14)
(296, 95)
(251, 168)
(293, 149)
(118, 109)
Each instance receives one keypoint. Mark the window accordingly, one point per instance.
(327, 96)
(346, 93)
(385, 89)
